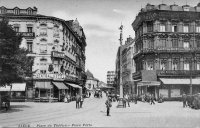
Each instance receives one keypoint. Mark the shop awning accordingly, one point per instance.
(148, 83)
(15, 87)
(5, 88)
(43, 85)
(175, 81)
(74, 85)
(60, 85)
(180, 81)
(18, 87)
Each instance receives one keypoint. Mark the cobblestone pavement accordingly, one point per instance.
(93, 114)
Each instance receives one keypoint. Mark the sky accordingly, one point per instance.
(100, 20)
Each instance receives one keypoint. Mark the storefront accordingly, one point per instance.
(74, 89)
(60, 90)
(148, 87)
(17, 92)
(175, 87)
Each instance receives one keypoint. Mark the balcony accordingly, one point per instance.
(26, 34)
(166, 50)
(178, 72)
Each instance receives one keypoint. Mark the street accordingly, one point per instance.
(93, 114)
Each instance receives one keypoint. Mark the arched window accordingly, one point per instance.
(56, 30)
(43, 40)
(43, 29)
(16, 11)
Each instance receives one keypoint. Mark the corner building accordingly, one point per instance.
(58, 49)
(167, 50)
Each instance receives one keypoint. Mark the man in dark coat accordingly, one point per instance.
(184, 96)
(77, 100)
(108, 105)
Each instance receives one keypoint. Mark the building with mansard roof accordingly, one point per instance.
(58, 49)
(167, 50)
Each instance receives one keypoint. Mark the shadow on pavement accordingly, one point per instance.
(11, 110)
(20, 106)
(14, 108)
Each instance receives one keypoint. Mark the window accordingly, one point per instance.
(56, 67)
(175, 64)
(163, 64)
(175, 43)
(43, 65)
(43, 48)
(162, 43)
(198, 43)
(174, 28)
(162, 28)
(16, 28)
(150, 43)
(198, 65)
(29, 29)
(186, 65)
(56, 31)
(186, 44)
(16, 11)
(149, 65)
(198, 28)
(30, 46)
(186, 28)
(149, 27)
(43, 31)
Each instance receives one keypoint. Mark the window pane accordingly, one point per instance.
(185, 28)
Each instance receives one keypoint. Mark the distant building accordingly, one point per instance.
(167, 50)
(92, 83)
(111, 78)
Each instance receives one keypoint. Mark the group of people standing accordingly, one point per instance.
(79, 101)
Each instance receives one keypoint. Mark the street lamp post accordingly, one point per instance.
(120, 103)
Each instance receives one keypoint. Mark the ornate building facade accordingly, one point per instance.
(58, 49)
(167, 50)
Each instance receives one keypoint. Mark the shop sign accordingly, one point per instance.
(53, 76)
(58, 54)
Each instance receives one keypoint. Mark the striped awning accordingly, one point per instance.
(60, 85)
(74, 85)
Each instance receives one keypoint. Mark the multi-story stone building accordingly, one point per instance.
(128, 66)
(58, 49)
(110, 78)
(167, 50)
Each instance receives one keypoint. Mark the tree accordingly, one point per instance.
(14, 63)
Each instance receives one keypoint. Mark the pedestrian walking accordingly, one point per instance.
(77, 100)
(108, 106)
(81, 101)
(152, 99)
(124, 102)
(127, 98)
(184, 97)
(89, 94)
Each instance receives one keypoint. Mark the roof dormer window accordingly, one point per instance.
(16, 11)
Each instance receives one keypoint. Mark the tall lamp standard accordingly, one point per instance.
(191, 71)
(120, 103)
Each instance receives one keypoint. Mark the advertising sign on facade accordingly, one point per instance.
(53, 76)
